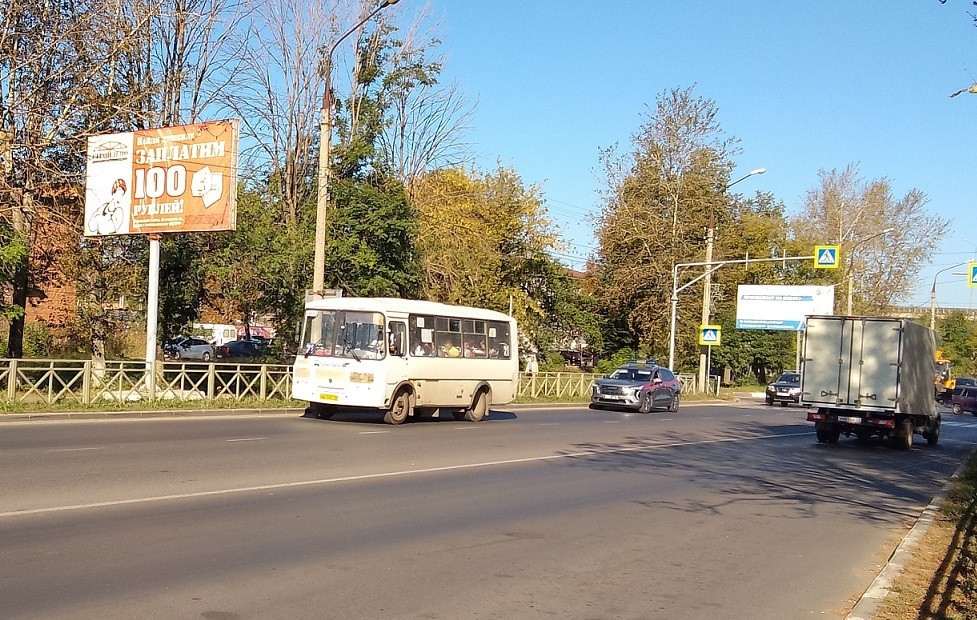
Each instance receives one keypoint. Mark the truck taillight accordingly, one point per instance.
(813, 416)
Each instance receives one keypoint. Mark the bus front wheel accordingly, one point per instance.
(399, 409)
(479, 408)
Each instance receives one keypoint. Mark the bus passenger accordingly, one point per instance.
(450, 349)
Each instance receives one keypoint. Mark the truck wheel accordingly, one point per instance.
(834, 434)
(399, 409)
(904, 438)
(822, 435)
(933, 435)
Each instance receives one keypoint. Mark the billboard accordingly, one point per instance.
(171, 179)
(778, 307)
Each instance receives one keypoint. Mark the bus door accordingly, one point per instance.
(396, 353)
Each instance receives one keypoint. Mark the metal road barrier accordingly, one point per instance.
(58, 381)
(555, 384)
(51, 381)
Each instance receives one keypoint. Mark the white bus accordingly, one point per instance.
(404, 358)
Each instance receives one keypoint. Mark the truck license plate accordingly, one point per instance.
(329, 397)
(849, 419)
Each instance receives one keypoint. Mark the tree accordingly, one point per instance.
(958, 341)
(13, 252)
(881, 266)
(657, 205)
(81, 84)
(484, 241)
(425, 120)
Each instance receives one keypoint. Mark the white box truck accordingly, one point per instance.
(868, 376)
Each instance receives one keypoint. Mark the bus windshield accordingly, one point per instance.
(343, 333)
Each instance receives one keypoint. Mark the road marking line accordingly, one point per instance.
(77, 449)
(247, 439)
(373, 432)
(389, 474)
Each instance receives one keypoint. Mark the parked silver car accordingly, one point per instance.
(184, 348)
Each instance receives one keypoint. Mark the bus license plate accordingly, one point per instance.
(849, 419)
(329, 397)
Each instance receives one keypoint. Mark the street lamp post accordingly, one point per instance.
(933, 293)
(325, 147)
(851, 262)
(707, 282)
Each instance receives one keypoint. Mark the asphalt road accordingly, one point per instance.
(716, 511)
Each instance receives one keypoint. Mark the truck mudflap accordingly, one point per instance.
(830, 425)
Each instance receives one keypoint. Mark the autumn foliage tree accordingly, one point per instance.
(659, 199)
(884, 239)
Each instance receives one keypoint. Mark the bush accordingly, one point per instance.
(37, 340)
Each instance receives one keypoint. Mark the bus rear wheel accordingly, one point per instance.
(399, 409)
(321, 411)
(479, 408)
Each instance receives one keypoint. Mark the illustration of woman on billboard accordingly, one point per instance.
(108, 219)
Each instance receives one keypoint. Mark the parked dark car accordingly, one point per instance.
(183, 347)
(241, 349)
(964, 399)
(637, 386)
(785, 390)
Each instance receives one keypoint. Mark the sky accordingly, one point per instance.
(803, 86)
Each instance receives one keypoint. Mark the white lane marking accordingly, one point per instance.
(77, 449)
(547, 423)
(612, 421)
(373, 432)
(389, 474)
(248, 439)
(666, 419)
(467, 427)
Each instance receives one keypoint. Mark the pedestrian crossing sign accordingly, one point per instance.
(972, 270)
(826, 257)
(710, 335)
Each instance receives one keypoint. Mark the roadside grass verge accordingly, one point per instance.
(150, 405)
(940, 581)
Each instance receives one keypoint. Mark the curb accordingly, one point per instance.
(870, 600)
(187, 413)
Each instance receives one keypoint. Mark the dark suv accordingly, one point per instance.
(785, 390)
(640, 386)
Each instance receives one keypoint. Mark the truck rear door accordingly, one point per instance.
(827, 346)
(878, 344)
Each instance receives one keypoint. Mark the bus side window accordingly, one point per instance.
(499, 340)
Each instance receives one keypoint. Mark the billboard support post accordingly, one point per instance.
(152, 314)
